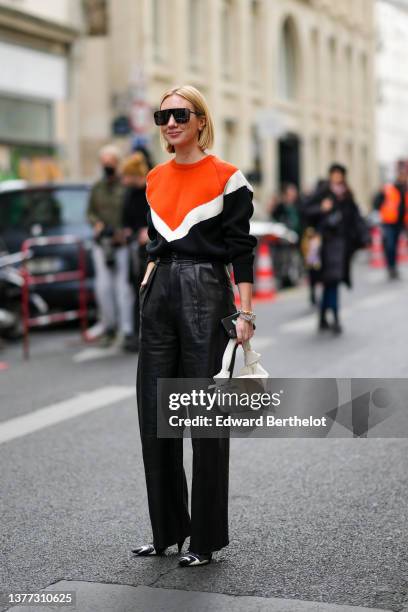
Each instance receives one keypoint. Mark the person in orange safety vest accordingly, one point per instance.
(392, 204)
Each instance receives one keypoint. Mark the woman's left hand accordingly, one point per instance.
(245, 330)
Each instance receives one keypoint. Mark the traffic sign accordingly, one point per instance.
(141, 117)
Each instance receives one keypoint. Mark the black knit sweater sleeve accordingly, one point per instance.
(236, 214)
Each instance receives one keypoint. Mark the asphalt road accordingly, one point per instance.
(311, 520)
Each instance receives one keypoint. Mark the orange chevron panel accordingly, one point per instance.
(173, 190)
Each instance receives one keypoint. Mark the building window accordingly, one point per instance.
(159, 17)
(316, 161)
(288, 62)
(365, 173)
(255, 173)
(364, 79)
(256, 42)
(350, 161)
(230, 135)
(95, 17)
(26, 121)
(349, 79)
(228, 38)
(332, 70)
(332, 151)
(194, 32)
(315, 65)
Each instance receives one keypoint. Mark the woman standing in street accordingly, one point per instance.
(198, 220)
(336, 217)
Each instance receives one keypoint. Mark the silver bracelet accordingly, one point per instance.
(247, 317)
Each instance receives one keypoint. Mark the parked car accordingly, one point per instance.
(11, 295)
(57, 209)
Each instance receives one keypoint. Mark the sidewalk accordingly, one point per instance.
(91, 596)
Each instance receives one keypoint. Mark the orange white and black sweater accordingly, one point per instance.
(201, 209)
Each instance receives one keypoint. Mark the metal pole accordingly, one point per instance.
(25, 303)
(82, 291)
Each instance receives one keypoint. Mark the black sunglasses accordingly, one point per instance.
(181, 115)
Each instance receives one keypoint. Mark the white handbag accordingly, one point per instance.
(252, 367)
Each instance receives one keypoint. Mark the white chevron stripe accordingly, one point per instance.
(199, 213)
(236, 181)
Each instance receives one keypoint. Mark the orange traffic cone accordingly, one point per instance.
(402, 249)
(264, 275)
(376, 250)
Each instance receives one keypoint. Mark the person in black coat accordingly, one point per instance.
(134, 220)
(336, 217)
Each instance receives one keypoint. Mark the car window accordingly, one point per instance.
(49, 208)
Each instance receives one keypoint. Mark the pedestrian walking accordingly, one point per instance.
(135, 207)
(198, 219)
(334, 214)
(392, 203)
(110, 252)
(286, 256)
(287, 208)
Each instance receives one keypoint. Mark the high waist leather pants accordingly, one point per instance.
(182, 335)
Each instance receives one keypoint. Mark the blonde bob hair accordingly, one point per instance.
(190, 93)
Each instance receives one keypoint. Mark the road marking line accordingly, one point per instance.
(377, 300)
(302, 324)
(376, 276)
(62, 411)
(90, 354)
(309, 322)
(261, 343)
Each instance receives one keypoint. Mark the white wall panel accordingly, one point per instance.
(32, 73)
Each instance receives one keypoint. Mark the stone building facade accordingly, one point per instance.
(290, 82)
(37, 93)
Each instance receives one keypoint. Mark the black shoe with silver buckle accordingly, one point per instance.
(191, 559)
(149, 549)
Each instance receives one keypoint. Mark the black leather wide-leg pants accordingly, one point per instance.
(182, 335)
